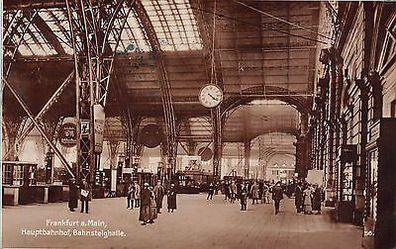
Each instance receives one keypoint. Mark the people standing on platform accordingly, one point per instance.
(159, 192)
(308, 200)
(137, 195)
(298, 198)
(210, 192)
(277, 195)
(233, 191)
(317, 199)
(254, 192)
(244, 196)
(85, 196)
(145, 196)
(171, 198)
(73, 195)
(130, 196)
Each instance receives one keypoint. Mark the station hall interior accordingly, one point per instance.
(198, 94)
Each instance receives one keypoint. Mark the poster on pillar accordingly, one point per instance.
(99, 121)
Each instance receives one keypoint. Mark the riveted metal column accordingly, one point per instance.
(217, 142)
(166, 96)
(261, 158)
(247, 150)
(92, 23)
(302, 147)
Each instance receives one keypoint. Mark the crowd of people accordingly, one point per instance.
(308, 197)
(258, 191)
(149, 200)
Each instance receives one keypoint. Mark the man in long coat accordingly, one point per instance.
(233, 191)
(85, 196)
(254, 191)
(298, 198)
(171, 198)
(159, 192)
(137, 194)
(73, 195)
(277, 196)
(144, 215)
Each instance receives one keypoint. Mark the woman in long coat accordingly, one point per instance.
(171, 198)
(317, 199)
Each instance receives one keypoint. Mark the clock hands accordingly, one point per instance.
(213, 97)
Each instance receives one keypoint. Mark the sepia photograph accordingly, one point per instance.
(198, 124)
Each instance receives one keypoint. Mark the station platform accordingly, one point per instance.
(197, 223)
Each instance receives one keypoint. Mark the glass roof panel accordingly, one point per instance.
(132, 37)
(174, 24)
(172, 20)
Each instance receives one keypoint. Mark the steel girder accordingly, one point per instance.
(39, 128)
(190, 145)
(91, 24)
(49, 35)
(16, 24)
(128, 123)
(55, 96)
(166, 96)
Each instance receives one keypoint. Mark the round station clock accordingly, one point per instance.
(210, 96)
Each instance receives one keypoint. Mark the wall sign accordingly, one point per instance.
(67, 134)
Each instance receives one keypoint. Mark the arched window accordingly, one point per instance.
(388, 53)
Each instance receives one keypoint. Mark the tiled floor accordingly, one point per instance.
(197, 223)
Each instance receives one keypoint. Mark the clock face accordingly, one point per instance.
(211, 96)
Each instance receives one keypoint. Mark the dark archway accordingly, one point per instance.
(302, 104)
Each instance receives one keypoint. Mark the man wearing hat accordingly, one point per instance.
(144, 216)
(159, 192)
(73, 195)
(171, 198)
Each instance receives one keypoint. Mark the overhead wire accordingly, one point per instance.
(257, 26)
(281, 19)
